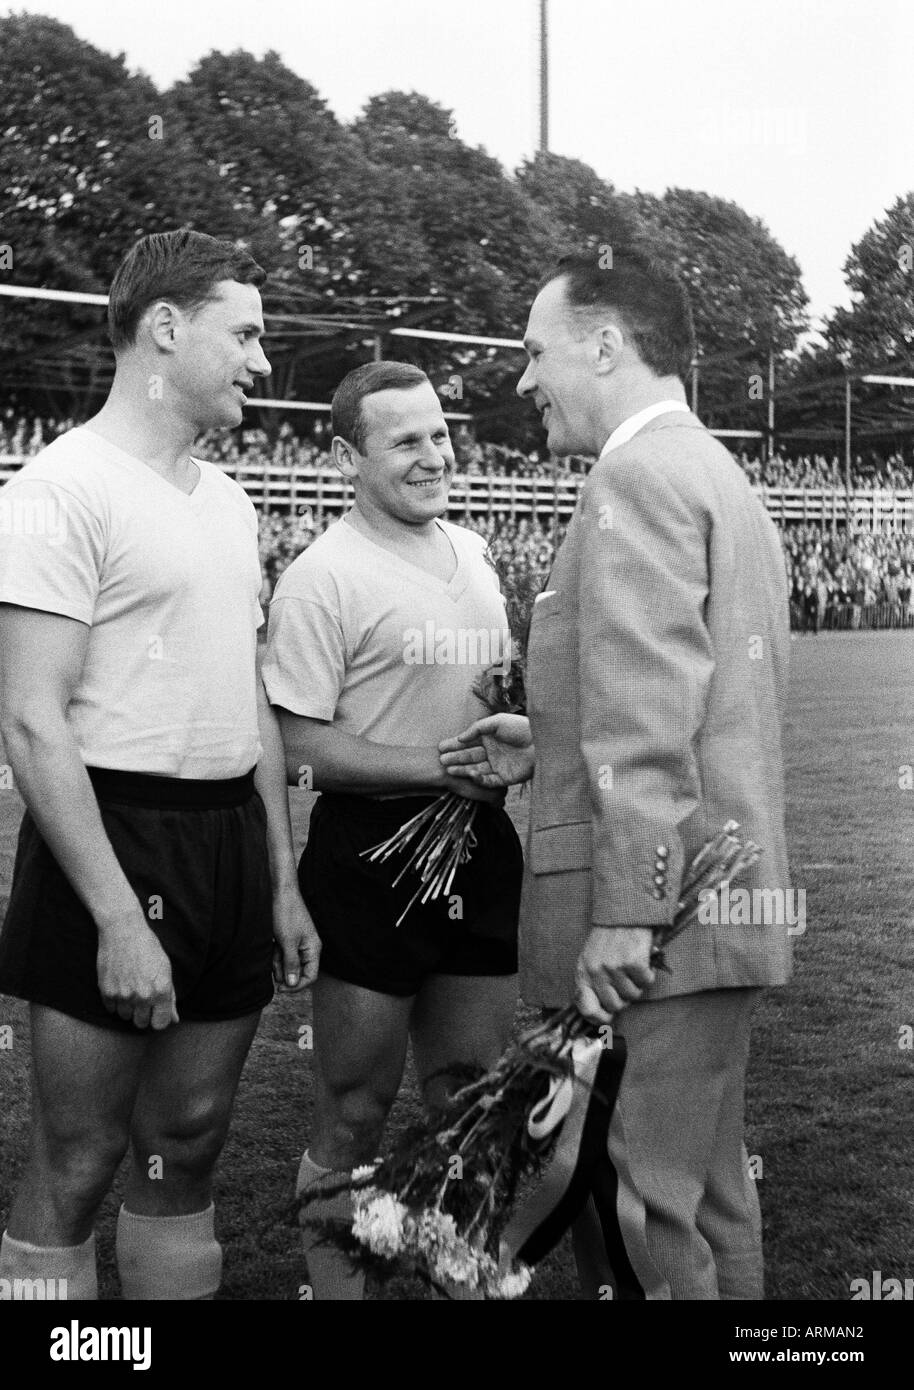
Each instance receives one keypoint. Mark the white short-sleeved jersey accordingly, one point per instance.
(386, 651)
(168, 584)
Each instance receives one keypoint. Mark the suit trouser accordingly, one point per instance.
(676, 1144)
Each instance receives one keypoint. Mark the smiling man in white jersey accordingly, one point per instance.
(378, 632)
(142, 915)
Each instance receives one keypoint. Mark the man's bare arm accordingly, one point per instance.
(41, 659)
(297, 944)
(341, 762)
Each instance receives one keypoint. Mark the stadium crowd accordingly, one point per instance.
(817, 471)
(837, 579)
(864, 579)
(284, 449)
(861, 578)
(477, 459)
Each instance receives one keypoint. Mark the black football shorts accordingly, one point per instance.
(195, 854)
(470, 931)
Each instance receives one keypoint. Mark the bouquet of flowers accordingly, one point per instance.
(444, 1203)
(441, 837)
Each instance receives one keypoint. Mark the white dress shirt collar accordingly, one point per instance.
(624, 432)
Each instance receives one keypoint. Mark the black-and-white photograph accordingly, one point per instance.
(456, 662)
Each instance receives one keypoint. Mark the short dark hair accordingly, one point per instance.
(346, 407)
(183, 266)
(648, 296)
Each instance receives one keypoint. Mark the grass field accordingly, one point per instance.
(830, 1089)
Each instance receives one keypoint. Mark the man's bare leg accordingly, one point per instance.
(170, 1095)
(184, 1106)
(84, 1085)
(460, 1018)
(465, 1019)
(360, 1042)
(360, 1039)
(166, 1244)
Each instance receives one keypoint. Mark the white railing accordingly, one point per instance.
(471, 494)
(869, 507)
(287, 491)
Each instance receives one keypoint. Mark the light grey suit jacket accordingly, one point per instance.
(656, 685)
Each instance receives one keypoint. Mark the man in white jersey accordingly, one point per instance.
(377, 634)
(155, 861)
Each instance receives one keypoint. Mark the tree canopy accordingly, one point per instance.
(391, 219)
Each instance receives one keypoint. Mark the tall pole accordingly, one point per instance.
(544, 76)
(770, 402)
(847, 448)
(694, 385)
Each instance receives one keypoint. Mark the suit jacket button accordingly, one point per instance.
(658, 893)
(662, 852)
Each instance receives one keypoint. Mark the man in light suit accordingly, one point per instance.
(656, 684)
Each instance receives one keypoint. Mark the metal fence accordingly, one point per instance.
(852, 617)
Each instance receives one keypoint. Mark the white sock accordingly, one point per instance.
(330, 1271)
(176, 1257)
(67, 1269)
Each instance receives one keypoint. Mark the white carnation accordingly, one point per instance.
(434, 1229)
(378, 1221)
(512, 1285)
(366, 1171)
(456, 1264)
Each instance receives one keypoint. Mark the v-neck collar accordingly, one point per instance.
(122, 456)
(453, 587)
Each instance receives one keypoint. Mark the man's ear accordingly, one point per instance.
(164, 322)
(345, 456)
(611, 346)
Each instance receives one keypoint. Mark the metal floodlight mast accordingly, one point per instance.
(847, 445)
(544, 76)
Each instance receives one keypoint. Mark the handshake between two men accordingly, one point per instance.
(613, 968)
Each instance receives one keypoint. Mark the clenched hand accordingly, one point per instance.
(613, 971)
(134, 974)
